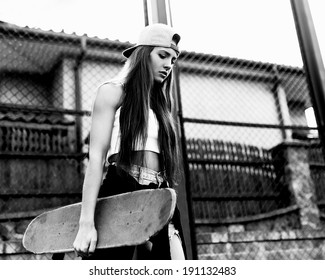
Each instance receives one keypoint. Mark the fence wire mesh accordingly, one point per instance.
(254, 164)
(48, 82)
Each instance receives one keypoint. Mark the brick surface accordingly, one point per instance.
(290, 245)
(203, 238)
(219, 237)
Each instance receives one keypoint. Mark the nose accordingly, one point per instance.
(168, 65)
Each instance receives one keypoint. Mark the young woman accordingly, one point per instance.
(133, 130)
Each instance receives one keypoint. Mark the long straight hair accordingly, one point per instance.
(141, 93)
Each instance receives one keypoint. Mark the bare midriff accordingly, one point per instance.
(150, 159)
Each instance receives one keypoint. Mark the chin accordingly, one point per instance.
(159, 80)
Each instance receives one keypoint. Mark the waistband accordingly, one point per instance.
(144, 175)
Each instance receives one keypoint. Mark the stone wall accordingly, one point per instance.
(11, 247)
(292, 234)
(261, 245)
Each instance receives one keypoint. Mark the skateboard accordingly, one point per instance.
(121, 220)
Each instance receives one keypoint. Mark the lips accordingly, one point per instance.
(163, 73)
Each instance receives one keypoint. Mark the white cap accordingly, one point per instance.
(157, 35)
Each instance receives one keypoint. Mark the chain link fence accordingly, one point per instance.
(48, 82)
(255, 169)
(254, 165)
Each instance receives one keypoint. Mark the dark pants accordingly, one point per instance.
(118, 181)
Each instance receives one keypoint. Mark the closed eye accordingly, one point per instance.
(165, 55)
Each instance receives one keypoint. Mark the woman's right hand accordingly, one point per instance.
(86, 240)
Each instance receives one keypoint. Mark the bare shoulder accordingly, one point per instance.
(109, 95)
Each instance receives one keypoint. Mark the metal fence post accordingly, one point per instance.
(78, 103)
(312, 60)
(145, 12)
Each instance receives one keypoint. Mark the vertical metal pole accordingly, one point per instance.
(159, 14)
(275, 90)
(281, 105)
(186, 195)
(77, 79)
(159, 11)
(170, 13)
(313, 62)
(145, 10)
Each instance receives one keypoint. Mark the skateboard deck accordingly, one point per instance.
(124, 219)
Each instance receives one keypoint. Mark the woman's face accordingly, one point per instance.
(162, 62)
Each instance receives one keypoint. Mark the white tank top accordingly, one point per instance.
(152, 140)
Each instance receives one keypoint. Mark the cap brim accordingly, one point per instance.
(126, 53)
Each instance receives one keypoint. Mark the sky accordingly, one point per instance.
(260, 30)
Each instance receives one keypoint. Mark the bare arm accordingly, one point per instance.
(105, 105)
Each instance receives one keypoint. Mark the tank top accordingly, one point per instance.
(151, 144)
